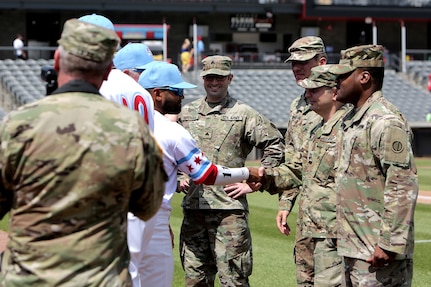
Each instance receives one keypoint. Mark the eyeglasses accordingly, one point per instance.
(176, 91)
(215, 77)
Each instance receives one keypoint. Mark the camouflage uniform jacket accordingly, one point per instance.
(72, 165)
(376, 182)
(286, 178)
(318, 198)
(227, 133)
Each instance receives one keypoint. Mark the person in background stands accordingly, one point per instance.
(18, 45)
(72, 165)
(185, 55)
(200, 48)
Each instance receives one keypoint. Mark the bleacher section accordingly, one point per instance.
(21, 82)
(272, 91)
(419, 71)
(268, 91)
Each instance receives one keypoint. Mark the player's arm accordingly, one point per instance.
(201, 171)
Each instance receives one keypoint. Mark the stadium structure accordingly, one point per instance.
(254, 33)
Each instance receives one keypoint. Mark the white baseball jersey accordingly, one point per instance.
(122, 89)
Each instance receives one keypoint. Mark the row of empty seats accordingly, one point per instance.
(268, 91)
(272, 91)
(21, 80)
(419, 71)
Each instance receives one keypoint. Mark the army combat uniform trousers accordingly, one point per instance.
(317, 262)
(358, 273)
(214, 240)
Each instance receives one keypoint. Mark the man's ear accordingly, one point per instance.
(322, 60)
(157, 95)
(334, 93)
(57, 60)
(365, 77)
(126, 71)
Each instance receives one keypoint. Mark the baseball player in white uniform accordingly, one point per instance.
(121, 87)
(166, 86)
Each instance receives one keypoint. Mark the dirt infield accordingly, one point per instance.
(424, 197)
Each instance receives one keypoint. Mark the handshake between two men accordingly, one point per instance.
(255, 181)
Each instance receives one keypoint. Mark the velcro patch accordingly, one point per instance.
(396, 146)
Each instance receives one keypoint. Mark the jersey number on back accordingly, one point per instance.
(139, 105)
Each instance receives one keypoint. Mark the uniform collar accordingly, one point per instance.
(77, 86)
(205, 108)
(357, 115)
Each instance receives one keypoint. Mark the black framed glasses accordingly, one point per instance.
(176, 91)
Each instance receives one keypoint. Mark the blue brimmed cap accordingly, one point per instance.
(132, 56)
(159, 74)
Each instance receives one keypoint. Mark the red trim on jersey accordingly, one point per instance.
(209, 177)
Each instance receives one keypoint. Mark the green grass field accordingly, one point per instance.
(272, 251)
(273, 259)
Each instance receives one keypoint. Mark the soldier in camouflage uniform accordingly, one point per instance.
(317, 205)
(305, 53)
(72, 165)
(215, 236)
(377, 178)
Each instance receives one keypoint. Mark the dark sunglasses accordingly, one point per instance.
(215, 77)
(176, 91)
(138, 70)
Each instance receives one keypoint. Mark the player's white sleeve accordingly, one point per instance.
(226, 175)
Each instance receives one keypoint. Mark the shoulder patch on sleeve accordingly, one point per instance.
(396, 146)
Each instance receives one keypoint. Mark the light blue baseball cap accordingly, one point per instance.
(132, 56)
(98, 20)
(159, 74)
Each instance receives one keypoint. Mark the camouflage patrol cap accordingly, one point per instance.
(216, 65)
(88, 41)
(319, 77)
(359, 57)
(305, 48)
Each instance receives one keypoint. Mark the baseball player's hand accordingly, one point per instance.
(381, 257)
(236, 190)
(183, 185)
(281, 221)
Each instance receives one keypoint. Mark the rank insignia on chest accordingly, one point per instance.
(207, 135)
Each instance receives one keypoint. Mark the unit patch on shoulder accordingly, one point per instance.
(395, 146)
